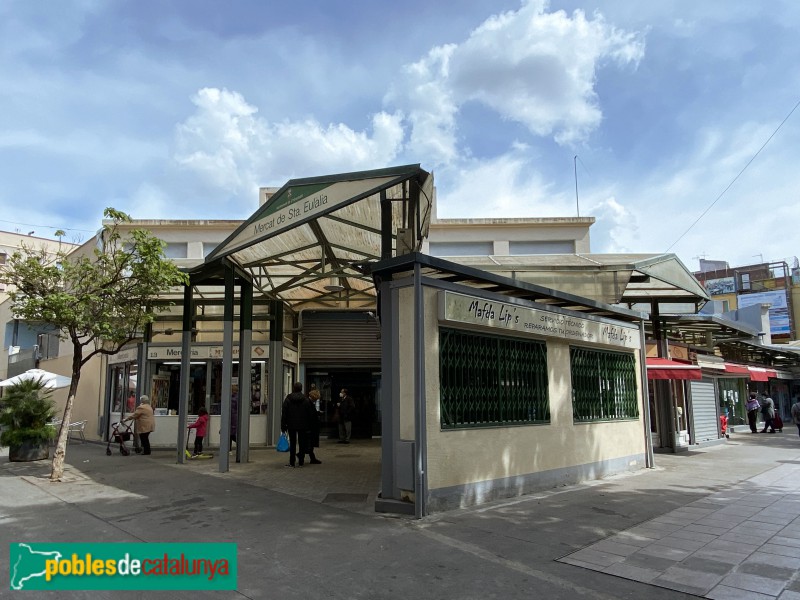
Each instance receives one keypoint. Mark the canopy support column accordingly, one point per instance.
(186, 356)
(227, 373)
(275, 372)
(245, 365)
(386, 226)
(663, 388)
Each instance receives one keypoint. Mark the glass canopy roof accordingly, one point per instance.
(305, 245)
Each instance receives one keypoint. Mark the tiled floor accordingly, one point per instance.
(348, 477)
(742, 543)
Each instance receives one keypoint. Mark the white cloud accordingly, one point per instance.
(676, 205)
(616, 228)
(503, 187)
(528, 66)
(233, 149)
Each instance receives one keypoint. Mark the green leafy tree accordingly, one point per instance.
(100, 301)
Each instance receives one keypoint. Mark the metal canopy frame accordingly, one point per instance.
(747, 351)
(444, 270)
(302, 245)
(702, 330)
(627, 279)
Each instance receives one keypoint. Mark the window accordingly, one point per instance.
(48, 345)
(603, 385)
(745, 277)
(176, 250)
(488, 380)
(208, 248)
(461, 248)
(542, 247)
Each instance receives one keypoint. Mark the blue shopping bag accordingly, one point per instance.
(283, 443)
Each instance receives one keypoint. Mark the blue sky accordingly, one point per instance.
(182, 109)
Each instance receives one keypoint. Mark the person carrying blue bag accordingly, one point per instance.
(283, 443)
(297, 414)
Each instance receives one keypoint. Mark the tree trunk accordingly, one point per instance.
(63, 433)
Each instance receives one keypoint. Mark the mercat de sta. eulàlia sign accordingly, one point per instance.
(458, 308)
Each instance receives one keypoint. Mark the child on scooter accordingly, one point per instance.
(200, 426)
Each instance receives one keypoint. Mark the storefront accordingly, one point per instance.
(674, 375)
(161, 382)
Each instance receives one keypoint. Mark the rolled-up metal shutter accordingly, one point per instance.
(340, 337)
(704, 410)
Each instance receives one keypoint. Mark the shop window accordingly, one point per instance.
(488, 380)
(603, 385)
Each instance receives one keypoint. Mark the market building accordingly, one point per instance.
(448, 333)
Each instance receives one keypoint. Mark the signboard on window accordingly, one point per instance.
(778, 311)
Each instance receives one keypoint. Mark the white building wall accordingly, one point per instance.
(502, 233)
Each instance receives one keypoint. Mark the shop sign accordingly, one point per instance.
(459, 308)
(175, 352)
(201, 352)
(123, 356)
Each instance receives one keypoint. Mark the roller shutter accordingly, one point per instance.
(704, 410)
(340, 338)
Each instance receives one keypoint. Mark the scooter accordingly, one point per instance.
(191, 456)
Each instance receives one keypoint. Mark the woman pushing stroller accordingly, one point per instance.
(144, 422)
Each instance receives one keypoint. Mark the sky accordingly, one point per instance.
(670, 122)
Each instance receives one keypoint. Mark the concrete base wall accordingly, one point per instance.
(471, 494)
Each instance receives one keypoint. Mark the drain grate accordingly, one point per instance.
(338, 497)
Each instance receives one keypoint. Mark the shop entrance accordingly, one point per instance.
(363, 384)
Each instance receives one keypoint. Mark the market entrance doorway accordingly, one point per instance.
(362, 383)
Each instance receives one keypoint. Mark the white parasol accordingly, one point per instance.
(49, 380)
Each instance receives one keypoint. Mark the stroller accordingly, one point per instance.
(120, 433)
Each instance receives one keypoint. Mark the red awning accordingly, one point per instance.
(663, 368)
(761, 373)
(737, 369)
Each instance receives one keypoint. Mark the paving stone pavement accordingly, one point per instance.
(740, 543)
(719, 521)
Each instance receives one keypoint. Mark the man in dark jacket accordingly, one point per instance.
(296, 418)
(345, 408)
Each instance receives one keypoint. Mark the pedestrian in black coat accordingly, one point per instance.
(297, 415)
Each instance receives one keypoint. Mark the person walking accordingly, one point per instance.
(200, 427)
(345, 408)
(144, 422)
(752, 407)
(796, 414)
(313, 437)
(768, 410)
(297, 413)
